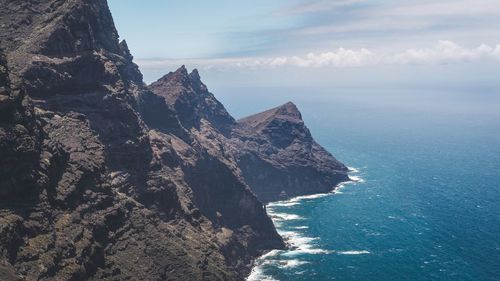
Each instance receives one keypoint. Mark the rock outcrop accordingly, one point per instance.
(273, 150)
(104, 178)
(192, 101)
(280, 159)
(88, 190)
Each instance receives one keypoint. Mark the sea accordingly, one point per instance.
(424, 201)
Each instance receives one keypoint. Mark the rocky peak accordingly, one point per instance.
(278, 118)
(56, 27)
(126, 51)
(279, 157)
(195, 75)
(85, 184)
(288, 109)
(181, 78)
(180, 75)
(192, 101)
(57, 47)
(196, 83)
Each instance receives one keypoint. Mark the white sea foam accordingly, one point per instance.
(284, 204)
(301, 227)
(339, 188)
(296, 239)
(353, 170)
(257, 274)
(284, 216)
(270, 254)
(301, 244)
(356, 179)
(364, 252)
(313, 196)
(306, 251)
(296, 200)
(292, 263)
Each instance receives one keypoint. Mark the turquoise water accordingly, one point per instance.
(428, 205)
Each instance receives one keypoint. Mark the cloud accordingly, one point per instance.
(444, 52)
(456, 8)
(318, 6)
(339, 58)
(314, 24)
(496, 52)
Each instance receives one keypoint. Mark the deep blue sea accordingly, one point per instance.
(426, 205)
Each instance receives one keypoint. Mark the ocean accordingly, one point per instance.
(425, 203)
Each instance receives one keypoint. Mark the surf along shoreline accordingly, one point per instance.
(296, 242)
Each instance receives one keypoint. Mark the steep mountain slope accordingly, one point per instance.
(191, 100)
(104, 178)
(273, 150)
(280, 159)
(89, 191)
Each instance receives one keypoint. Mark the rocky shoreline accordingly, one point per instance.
(106, 178)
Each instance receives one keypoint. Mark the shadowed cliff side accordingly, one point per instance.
(280, 159)
(273, 151)
(89, 191)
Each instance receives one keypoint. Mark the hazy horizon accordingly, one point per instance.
(452, 45)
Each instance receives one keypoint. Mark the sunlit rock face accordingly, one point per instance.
(88, 189)
(105, 178)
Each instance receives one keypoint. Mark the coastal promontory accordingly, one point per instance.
(106, 178)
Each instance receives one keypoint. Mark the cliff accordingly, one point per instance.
(104, 178)
(279, 158)
(89, 191)
(273, 150)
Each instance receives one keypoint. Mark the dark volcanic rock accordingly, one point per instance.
(19, 144)
(273, 150)
(191, 100)
(100, 178)
(103, 178)
(280, 159)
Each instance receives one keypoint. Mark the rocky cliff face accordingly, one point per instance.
(88, 190)
(273, 150)
(103, 178)
(280, 159)
(192, 101)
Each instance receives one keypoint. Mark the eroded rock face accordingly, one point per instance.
(103, 178)
(19, 144)
(273, 151)
(280, 159)
(191, 100)
(89, 190)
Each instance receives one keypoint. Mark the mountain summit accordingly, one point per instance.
(279, 157)
(105, 178)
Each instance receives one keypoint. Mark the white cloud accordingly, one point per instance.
(318, 6)
(373, 23)
(496, 52)
(339, 58)
(456, 8)
(444, 52)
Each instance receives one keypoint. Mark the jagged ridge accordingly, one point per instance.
(104, 178)
(93, 192)
(274, 150)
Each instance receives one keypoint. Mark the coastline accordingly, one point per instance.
(297, 243)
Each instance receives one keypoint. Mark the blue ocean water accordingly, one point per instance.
(428, 204)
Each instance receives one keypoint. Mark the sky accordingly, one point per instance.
(327, 43)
